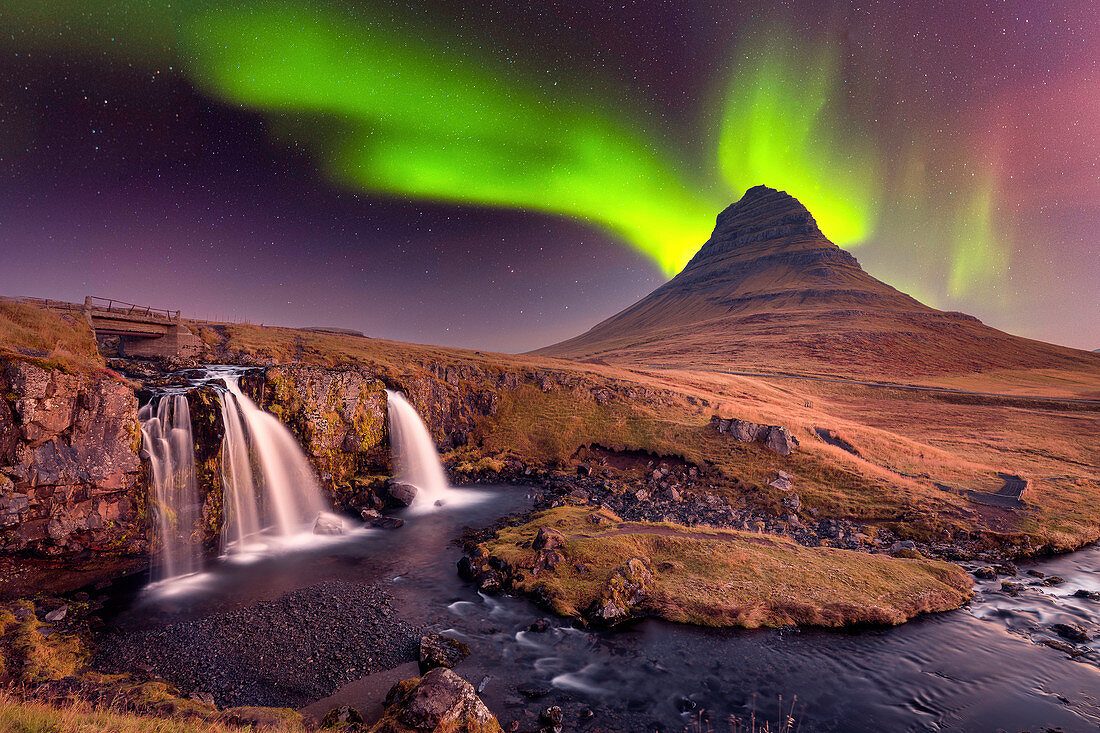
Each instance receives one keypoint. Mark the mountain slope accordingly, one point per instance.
(768, 291)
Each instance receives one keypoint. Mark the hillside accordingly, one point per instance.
(769, 292)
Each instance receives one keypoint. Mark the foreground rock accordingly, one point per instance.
(437, 650)
(703, 576)
(438, 701)
(69, 465)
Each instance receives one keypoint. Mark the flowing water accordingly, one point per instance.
(268, 486)
(168, 444)
(981, 668)
(975, 669)
(270, 495)
(416, 461)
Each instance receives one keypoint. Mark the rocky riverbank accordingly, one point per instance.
(288, 651)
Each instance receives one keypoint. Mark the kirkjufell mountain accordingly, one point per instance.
(769, 291)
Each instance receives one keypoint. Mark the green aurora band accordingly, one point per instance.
(385, 108)
(409, 120)
(777, 127)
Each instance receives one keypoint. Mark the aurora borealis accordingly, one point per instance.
(508, 163)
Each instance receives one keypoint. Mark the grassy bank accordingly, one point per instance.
(717, 577)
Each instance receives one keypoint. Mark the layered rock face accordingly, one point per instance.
(69, 465)
(768, 291)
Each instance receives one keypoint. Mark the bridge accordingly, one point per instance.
(142, 331)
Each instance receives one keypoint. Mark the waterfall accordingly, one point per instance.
(268, 487)
(168, 444)
(416, 461)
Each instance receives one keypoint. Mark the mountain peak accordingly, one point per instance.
(763, 213)
(769, 290)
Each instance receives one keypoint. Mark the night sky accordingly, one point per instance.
(503, 175)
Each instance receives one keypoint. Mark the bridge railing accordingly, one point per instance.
(96, 303)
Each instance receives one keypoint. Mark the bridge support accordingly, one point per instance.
(177, 341)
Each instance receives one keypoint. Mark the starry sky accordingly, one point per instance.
(503, 175)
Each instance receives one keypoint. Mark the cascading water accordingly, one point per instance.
(414, 455)
(168, 444)
(268, 487)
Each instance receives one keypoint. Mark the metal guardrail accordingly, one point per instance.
(96, 304)
(110, 305)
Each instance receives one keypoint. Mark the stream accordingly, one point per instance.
(980, 668)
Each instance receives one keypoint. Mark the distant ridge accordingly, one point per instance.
(769, 291)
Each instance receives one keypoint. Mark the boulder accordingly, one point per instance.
(437, 650)
(1073, 632)
(775, 438)
(343, 716)
(779, 440)
(399, 494)
(747, 432)
(374, 518)
(328, 524)
(548, 539)
(440, 700)
(782, 481)
(627, 588)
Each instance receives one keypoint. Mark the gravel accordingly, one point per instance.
(289, 651)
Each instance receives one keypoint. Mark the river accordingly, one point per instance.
(979, 668)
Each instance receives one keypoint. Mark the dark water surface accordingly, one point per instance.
(976, 669)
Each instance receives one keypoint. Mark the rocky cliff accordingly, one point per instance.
(70, 474)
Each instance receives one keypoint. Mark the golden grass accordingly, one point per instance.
(30, 716)
(54, 339)
(718, 577)
(30, 658)
(917, 452)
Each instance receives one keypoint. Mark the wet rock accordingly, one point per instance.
(548, 539)
(1062, 647)
(440, 700)
(437, 650)
(374, 518)
(531, 691)
(1090, 594)
(539, 625)
(1073, 632)
(328, 524)
(1053, 580)
(400, 495)
(57, 614)
(342, 716)
(1011, 588)
(985, 573)
(552, 718)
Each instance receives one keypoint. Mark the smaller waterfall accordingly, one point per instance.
(168, 444)
(268, 486)
(415, 458)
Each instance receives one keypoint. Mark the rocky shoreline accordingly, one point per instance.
(292, 650)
